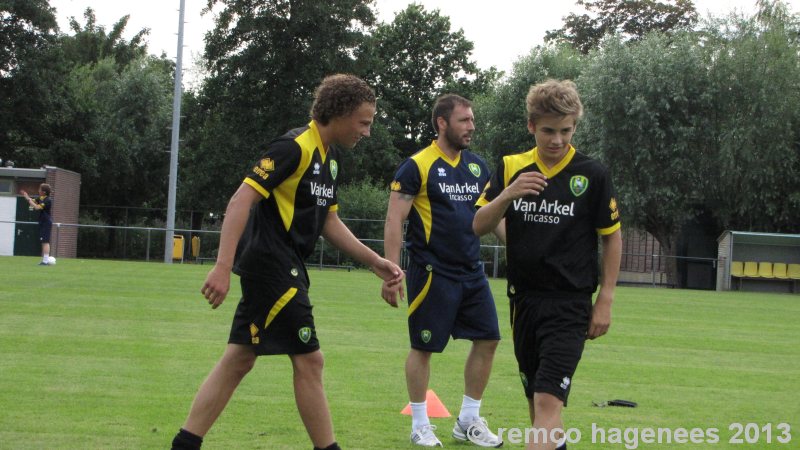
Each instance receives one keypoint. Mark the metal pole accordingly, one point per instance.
(176, 128)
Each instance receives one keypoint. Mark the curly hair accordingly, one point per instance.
(338, 96)
(553, 98)
(444, 107)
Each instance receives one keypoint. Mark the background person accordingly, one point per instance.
(44, 204)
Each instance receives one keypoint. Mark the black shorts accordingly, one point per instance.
(274, 318)
(44, 232)
(549, 335)
(440, 307)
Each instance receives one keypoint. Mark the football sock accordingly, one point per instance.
(333, 446)
(470, 409)
(186, 440)
(419, 415)
(45, 257)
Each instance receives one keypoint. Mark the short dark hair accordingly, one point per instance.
(444, 106)
(46, 188)
(338, 96)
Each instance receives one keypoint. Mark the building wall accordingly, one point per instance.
(66, 199)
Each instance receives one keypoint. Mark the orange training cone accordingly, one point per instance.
(435, 406)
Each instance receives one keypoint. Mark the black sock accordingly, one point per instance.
(186, 440)
(333, 446)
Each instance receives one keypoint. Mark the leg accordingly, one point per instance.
(217, 389)
(310, 397)
(418, 373)
(545, 412)
(478, 368)
(45, 249)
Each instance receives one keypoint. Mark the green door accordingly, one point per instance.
(26, 237)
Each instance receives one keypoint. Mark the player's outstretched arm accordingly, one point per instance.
(218, 280)
(489, 216)
(337, 233)
(601, 311)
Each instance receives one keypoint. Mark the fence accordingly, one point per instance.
(146, 243)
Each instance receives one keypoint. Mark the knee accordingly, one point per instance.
(308, 365)
(239, 362)
(547, 406)
(486, 348)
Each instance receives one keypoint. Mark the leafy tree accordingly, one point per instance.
(755, 82)
(90, 43)
(628, 18)
(500, 114)
(27, 30)
(648, 112)
(264, 59)
(412, 61)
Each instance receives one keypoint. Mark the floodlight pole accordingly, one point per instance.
(173, 154)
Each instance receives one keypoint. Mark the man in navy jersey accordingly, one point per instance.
(555, 202)
(291, 191)
(436, 190)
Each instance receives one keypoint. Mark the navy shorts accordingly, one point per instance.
(549, 336)
(440, 307)
(44, 232)
(274, 318)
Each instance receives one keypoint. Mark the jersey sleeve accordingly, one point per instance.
(407, 180)
(494, 187)
(607, 218)
(279, 161)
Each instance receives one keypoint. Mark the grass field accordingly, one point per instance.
(107, 354)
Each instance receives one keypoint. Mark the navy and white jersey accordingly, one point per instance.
(552, 238)
(439, 230)
(297, 178)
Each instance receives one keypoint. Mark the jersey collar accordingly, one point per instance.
(452, 162)
(551, 172)
(317, 140)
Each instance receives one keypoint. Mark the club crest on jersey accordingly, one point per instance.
(304, 334)
(426, 336)
(475, 169)
(334, 168)
(578, 185)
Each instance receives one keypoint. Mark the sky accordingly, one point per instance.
(501, 33)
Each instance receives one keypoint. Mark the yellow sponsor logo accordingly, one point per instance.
(267, 164)
(395, 186)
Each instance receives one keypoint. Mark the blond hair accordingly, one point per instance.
(553, 98)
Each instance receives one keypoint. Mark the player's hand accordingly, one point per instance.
(388, 271)
(527, 183)
(391, 292)
(601, 317)
(217, 284)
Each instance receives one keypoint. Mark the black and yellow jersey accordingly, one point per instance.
(45, 214)
(552, 238)
(297, 178)
(439, 230)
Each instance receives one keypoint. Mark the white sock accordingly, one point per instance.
(45, 257)
(470, 409)
(419, 415)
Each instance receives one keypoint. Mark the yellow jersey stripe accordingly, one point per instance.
(286, 192)
(278, 306)
(422, 203)
(257, 187)
(421, 296)
(609, 230)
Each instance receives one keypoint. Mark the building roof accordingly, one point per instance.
(748, 237)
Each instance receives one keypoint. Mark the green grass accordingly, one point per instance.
(107, 354)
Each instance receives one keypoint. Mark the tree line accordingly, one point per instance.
(695, 117)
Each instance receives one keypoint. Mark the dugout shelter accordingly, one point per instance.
(761, 262)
